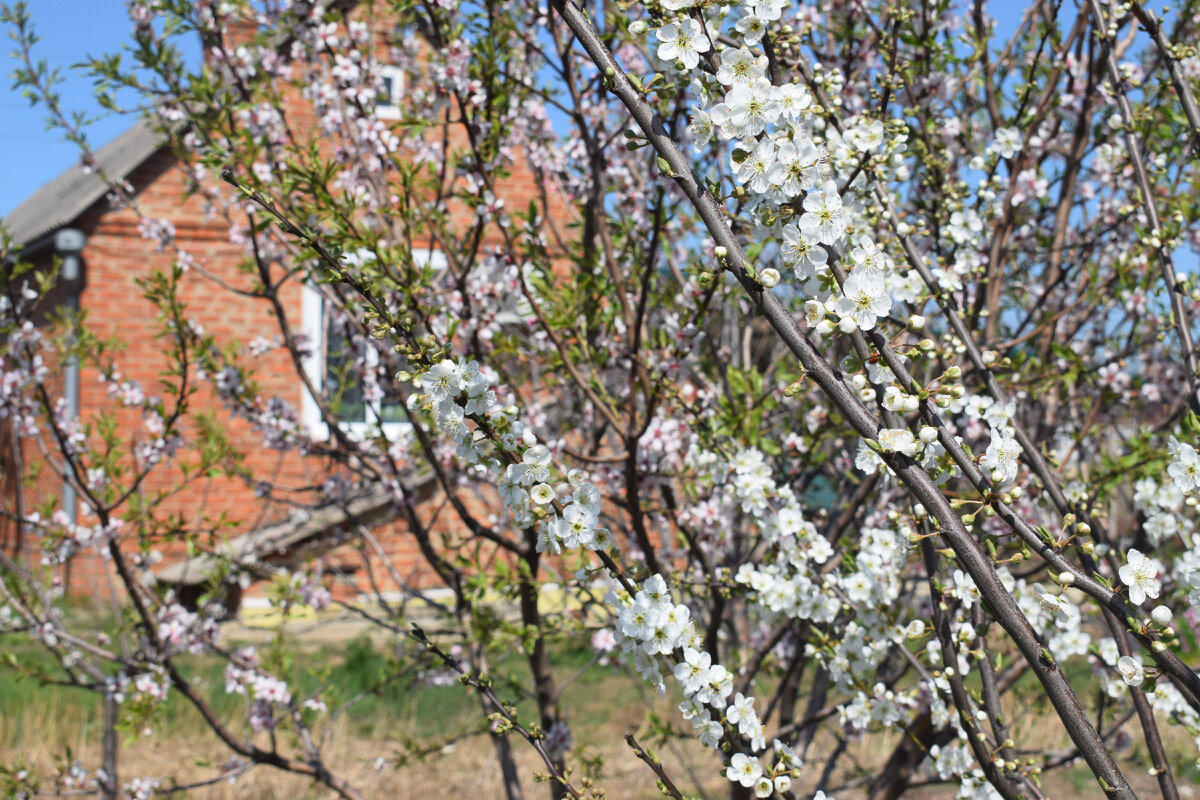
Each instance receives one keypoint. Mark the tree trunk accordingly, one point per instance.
(544, 688)
(108, 787)
(897, 774)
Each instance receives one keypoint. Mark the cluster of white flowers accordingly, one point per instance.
(267, 691)
(153, 684)
(1184, 468)
(141, 788)
(1007, 142)
(566, 512)
(789, 583)
(777, 159)
(1167, 701)
(882, 706)
(652, 625)
(923, 447)
(1163, 503)
(1120, 674)
(186, 630)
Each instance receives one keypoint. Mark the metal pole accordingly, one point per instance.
(68, 243)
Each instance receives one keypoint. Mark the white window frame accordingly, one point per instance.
(314, 323)
(395, 77)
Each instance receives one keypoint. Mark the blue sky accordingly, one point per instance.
(70, 31)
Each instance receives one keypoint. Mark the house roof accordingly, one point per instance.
(368, 506)
(61, 201)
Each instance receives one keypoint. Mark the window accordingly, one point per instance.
(387, 101)
(361, 401)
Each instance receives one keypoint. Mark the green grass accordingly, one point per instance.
(389, 698)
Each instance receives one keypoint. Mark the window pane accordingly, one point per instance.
(342, 384)
(392, 412)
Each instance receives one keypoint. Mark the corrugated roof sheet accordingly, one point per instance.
(61, 201)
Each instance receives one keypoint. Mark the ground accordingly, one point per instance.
(375, 744)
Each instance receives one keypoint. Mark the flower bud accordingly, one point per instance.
(637, 27)
(928, 434)
(1162, 615)
(1065, 578)
(916, 322)
(769, 278)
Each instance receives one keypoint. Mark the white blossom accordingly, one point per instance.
(683, 41)
(1131, 670)
(1140, 574)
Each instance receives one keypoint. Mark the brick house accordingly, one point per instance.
(102, 251)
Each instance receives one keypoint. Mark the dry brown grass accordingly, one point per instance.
(602, 707)
(468, 768)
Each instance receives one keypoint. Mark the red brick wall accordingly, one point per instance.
(115, 256)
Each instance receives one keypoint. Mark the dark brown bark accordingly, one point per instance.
(108, 759)
(901, 767)
(545, 690)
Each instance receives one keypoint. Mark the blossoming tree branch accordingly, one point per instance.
(832, 363)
